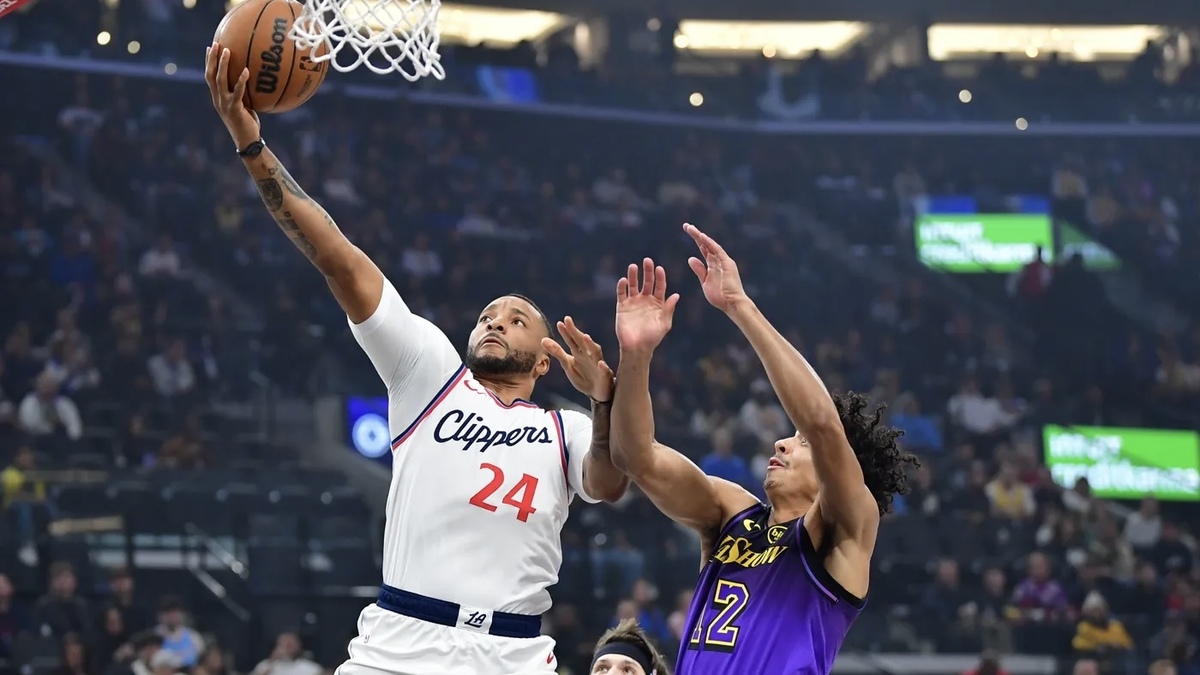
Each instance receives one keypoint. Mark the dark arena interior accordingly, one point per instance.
(984, 218)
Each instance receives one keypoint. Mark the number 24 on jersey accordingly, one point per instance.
(519, 496)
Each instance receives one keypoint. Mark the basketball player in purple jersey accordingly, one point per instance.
(781, 582)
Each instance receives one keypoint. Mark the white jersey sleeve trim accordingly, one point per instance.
(441, 396)
(575, 430)
(411, 355)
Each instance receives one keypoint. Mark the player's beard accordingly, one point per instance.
(514, 362)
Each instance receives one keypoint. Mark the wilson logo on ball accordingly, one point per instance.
(272, 57)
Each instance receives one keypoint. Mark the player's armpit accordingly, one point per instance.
(686, 494)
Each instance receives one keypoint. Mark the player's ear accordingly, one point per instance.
(542, 366)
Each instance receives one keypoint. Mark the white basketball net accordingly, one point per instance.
(385, 36)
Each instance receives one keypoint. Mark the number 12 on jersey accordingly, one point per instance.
(720, 633)
(519, 497)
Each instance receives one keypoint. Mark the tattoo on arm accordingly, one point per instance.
(292, 230)
(600, 427)
(271, 194)
(291, 185)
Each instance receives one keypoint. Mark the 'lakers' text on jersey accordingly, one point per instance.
(480, 489)
(765, 604)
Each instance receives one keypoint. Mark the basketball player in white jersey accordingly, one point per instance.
(481, 477)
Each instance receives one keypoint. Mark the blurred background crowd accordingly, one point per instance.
(163, 347)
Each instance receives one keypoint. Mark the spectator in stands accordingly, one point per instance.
(1086, 667)
(1110, 552)
(125, 373)
(141, 656)
(135, 616)
(21, 366)
(1146, 596)
(649, 616)
(8, 409)
(1101, 637)
(761, 416)
(1009, 498)
(75, 658)
(178, 639)
(135, 448)
(975, 413)
(14, 619)
(1042, 611)
(287, 659)
(1174, 639)
(113, 637)
(23, 492)
(162, 261)
(994, 606)
(212, 662)
(921, 433)
(187, 448)
(44, 412)
(61, 611)
(1144, 526)
(944, 600)
(723, 463)
(171, 371)
(1170, 554)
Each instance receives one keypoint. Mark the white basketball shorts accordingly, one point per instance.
(394, 644)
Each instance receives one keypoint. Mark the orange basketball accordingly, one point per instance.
(281, 77)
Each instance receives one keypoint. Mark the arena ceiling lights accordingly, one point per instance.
(1077, 43)
(787, 39)
(473, 25)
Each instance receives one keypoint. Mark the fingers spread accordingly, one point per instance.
(570, 334)
(622, 289)
(699, 268)
(631, 275)
(556, 351)
(660, 282)
(647, 276)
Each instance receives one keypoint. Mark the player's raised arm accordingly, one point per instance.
(844, 498)
(355, 280)
(673, 482)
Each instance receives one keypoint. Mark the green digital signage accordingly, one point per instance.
(982, 242)
(1124, 463)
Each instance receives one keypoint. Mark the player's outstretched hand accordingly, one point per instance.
(644, 311)
(584, 363)
(241, 121)
(717, 272)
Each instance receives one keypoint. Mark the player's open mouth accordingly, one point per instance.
(775, 463)
(492, 341)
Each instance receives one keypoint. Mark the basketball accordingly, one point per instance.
(281, 77)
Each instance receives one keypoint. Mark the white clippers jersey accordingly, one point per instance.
(480, 490)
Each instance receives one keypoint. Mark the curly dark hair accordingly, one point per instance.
(884, 463)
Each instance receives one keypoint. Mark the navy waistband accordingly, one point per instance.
(446, 613)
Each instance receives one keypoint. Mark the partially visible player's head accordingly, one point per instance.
(626, 650)
(791, 476)
(507, 339)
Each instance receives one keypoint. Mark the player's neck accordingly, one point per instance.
(507, 390)
(789, 510)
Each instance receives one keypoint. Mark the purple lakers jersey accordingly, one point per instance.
(765, 604)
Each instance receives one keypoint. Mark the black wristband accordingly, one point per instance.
(253, 150)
